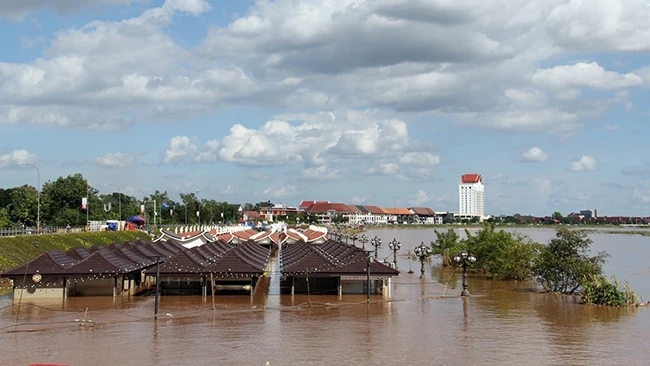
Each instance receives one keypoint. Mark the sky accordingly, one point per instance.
(383, 102)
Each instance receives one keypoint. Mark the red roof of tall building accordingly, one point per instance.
(471, 178)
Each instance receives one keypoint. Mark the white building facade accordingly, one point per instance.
(470, 196)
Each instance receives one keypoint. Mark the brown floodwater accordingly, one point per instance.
(501, 324)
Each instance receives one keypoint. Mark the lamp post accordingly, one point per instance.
(119, 199)
(395, 246)
(423, 252)
(376, 242)
(354, 239)
(368, 262)
(363, 240)
(198, 208)
(464, 259)
(38, 199)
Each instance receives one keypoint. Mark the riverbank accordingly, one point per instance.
(19, 249)
(600, 229)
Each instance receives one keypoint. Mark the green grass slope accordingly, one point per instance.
(17, 250)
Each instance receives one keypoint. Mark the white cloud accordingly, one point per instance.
(320, 173)
(16, 157)
(227, 190)
(115, 160)
(423, 159)
(183, 149)
(475, 63)
(383, 168)
(17, 9)
(281, 191)
(109, 74)
(643, 196)
(599, 25)
(544, 186)
(360, 200)
(584, 75)
(535, 154)
(312, 140)
(584, 163)
(421, 198)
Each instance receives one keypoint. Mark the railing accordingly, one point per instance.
(10, 231)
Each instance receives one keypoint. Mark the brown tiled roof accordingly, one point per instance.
(78, 253)
(184, 262)
(375, 210)
(252, 214)
(471, 178)
(227, 237)
(305, 204)
(245, 234)
(397, 211)
(423, 211)
(51, 262)
(331, 258)
(246, 259)
(313, 234)
(319, 208)
(103, 262)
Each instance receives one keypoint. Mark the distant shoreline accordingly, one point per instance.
(600, 229)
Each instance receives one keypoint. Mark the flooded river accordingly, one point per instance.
(501, 324)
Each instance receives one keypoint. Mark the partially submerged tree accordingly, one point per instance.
(566, 261)
(447, 245)
(502, 254)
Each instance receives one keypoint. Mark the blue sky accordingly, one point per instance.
(371, 102)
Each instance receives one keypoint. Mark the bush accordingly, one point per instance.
(502, 254)
(565, 262)
(598, 290)
(447, 245)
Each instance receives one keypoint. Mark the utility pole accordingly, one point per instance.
(87, 205)
(119, 192)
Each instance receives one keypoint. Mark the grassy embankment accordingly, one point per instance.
(19, 249)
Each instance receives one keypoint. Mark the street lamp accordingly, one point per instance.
(376, 242)
(395, 246)
(464, 259)
(198, 208)
(363, 240)
(423, 252)
(368, 262)
(119, 198)
(38, 192)
(354, 239)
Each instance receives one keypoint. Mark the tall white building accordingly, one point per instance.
(470, 196)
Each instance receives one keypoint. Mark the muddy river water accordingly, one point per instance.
(501, 324)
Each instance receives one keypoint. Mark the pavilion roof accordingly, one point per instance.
(331, 258)
(51, 262)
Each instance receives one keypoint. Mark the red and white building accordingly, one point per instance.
(470, 196)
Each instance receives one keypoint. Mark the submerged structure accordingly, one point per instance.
(202, 262)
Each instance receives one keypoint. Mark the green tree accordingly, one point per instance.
(446, 245)
(504, 255)
(566, 261)
(61, 201)
(557, 216)
(22, 208)
(5, 221)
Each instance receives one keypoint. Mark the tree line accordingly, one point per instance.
(61, 205)
(564, 265)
